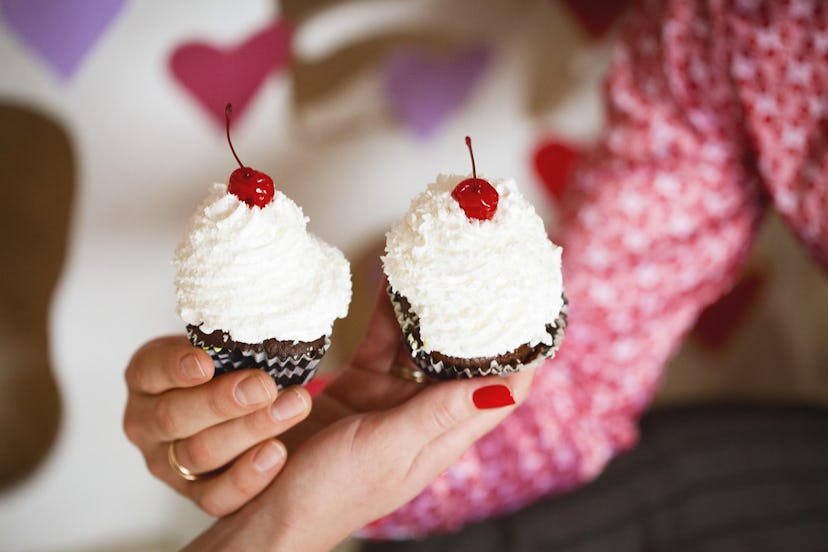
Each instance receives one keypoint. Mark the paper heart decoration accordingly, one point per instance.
(424, 90)
(60, 33)
(215, 76)
(719, 322)
(597, 16)
(553, 162)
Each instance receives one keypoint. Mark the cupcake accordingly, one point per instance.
(256, 289)
(475, 281)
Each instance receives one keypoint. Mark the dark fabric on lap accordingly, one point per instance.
(707, 478)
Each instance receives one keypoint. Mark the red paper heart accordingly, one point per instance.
(596, 16)
(719, 322)
(553, 162)
(214, 76)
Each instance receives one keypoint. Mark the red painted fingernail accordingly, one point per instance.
(493, 396)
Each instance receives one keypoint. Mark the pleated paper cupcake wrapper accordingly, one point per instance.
(285, 371)
(445, 369)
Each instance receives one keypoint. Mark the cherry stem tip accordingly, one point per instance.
(471, 154)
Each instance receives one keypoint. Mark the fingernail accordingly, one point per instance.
(192, 368)
(288, 404)
(252, 390)
(268, 457)
(492, 396)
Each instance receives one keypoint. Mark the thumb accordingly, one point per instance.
(436, 426)
(378, 346)
(444, 407)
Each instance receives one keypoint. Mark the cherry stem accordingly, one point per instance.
(471, 154)
(228, 109)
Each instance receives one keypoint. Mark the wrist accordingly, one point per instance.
(267, 526)
(248, 529)
(291, 529)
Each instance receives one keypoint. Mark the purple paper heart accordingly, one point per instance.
(424, 90)
(61, 33)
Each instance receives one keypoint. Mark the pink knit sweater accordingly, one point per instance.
(718, 110)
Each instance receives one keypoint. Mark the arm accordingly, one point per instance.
(656, 225)
(780, 72)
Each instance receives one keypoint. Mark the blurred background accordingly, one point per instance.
(112, 129)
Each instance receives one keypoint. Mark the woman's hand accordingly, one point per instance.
(226, 425)
(366, 465)
(372, 442)
(394, 434)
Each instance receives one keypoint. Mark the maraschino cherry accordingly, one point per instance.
(476, 197)
(251, 186)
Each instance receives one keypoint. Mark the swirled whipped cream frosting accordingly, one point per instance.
(257, 273)
(479, 288)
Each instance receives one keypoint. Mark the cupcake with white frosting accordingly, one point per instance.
(475, 281)
(256, 289)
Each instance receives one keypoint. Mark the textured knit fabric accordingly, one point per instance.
(717, 111)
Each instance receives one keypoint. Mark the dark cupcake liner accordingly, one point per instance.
(440, 366)
(285, 370)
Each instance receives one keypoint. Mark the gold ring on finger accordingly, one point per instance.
(182, 472)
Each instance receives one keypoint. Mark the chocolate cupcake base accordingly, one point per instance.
(287, 362)
(440, 366)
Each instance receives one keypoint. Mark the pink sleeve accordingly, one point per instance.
(655, 226)
(779, 60)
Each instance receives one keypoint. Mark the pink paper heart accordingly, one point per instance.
(61, 33)
(425, 90)
(216, 76)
